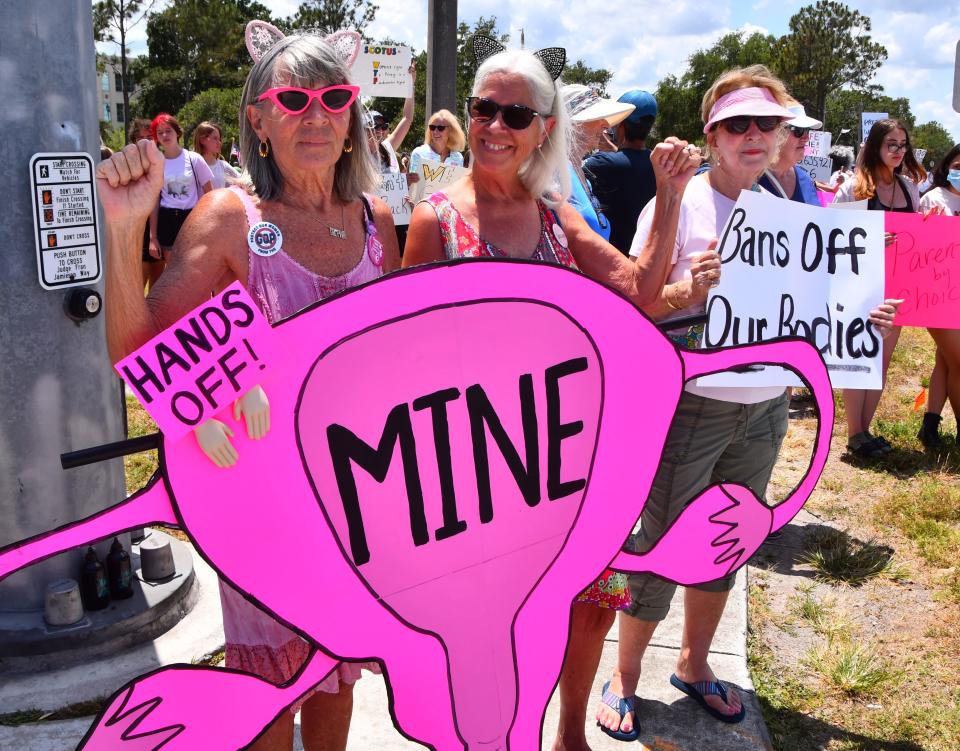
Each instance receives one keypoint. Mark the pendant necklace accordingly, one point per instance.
(337, 232)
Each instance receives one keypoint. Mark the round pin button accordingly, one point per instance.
(265, 239)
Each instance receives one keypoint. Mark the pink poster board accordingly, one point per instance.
(199, 365)
(923, 269)
(455, 453)
(826, 197)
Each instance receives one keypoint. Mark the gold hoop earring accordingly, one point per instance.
(348, 146)
(264, 150)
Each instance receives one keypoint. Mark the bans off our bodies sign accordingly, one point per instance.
(795, 270)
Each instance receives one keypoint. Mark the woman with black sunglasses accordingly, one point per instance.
(886, 178)
(443, 142)
(302, 228)
(511, 206)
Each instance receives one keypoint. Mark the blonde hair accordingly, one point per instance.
(203, 130)
(758, 76)
(456, 140)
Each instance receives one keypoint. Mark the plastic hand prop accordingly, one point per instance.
(160, 710)
(255, 408)
(214, 438)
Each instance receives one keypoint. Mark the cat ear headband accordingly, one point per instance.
(553, 58)
(260, 36)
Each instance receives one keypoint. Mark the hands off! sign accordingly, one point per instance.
(197, 367)
(795, 270)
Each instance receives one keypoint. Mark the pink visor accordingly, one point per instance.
(755, 101)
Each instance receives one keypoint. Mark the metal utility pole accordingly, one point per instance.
(57, 388)
(442, 56)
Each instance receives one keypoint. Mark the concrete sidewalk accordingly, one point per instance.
(669, 720)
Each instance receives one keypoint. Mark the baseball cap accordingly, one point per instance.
(643, 102)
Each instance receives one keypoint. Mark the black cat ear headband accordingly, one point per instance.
(553, 58)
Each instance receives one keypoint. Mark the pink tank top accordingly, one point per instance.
(461, 240)
(281, 286)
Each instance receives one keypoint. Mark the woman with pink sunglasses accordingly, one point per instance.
(302, 136)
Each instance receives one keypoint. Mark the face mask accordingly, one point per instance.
(953, 177)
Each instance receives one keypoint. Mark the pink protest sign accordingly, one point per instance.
(198, 366)
(455, 453)
(826, 197)
(923, 269)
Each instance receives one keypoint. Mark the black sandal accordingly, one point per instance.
(865, 446)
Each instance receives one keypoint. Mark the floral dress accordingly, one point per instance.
(461, 240)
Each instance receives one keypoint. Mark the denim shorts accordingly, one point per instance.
(709, 441)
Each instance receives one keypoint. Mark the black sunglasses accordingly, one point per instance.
(799, 132)
(515, 116)
(741, 124)
(440, 128)
(381, 126)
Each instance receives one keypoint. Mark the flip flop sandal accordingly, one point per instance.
(697, 691)
(620, 705)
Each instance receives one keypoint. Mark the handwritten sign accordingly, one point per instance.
(819, 143)
(435, 176)
(790, 269)
(818, 167)
(923, 269)
(394, 192)
(383, 70)
(203, 362)
(867, 119)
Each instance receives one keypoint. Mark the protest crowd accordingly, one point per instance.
(545, 171)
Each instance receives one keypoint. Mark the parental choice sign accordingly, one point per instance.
(199, 365)
(923, 269)
(790, 269)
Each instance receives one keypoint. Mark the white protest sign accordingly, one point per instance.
(818, 167)
(383, 70)
(435, 176)
(393, 191)
(919, 154)
(65, 219)
(790, 269)
(867, 119)
(818, 143)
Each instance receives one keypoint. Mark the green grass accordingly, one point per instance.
(851, 668)
(839, 558)
(70, 712)
(926, 511)
(139, 467)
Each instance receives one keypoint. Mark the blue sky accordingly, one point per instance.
(643, 40)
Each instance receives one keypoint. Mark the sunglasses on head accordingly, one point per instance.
(741, 123)
(439, 128)
(515, 116)
(294, 100)
(798, 132)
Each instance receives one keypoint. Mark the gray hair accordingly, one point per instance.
(310, 62)
(545, 174)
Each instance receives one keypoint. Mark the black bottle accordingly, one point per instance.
(94, 590)
(119, 572)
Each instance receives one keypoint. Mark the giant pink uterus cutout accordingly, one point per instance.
(455, 453)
